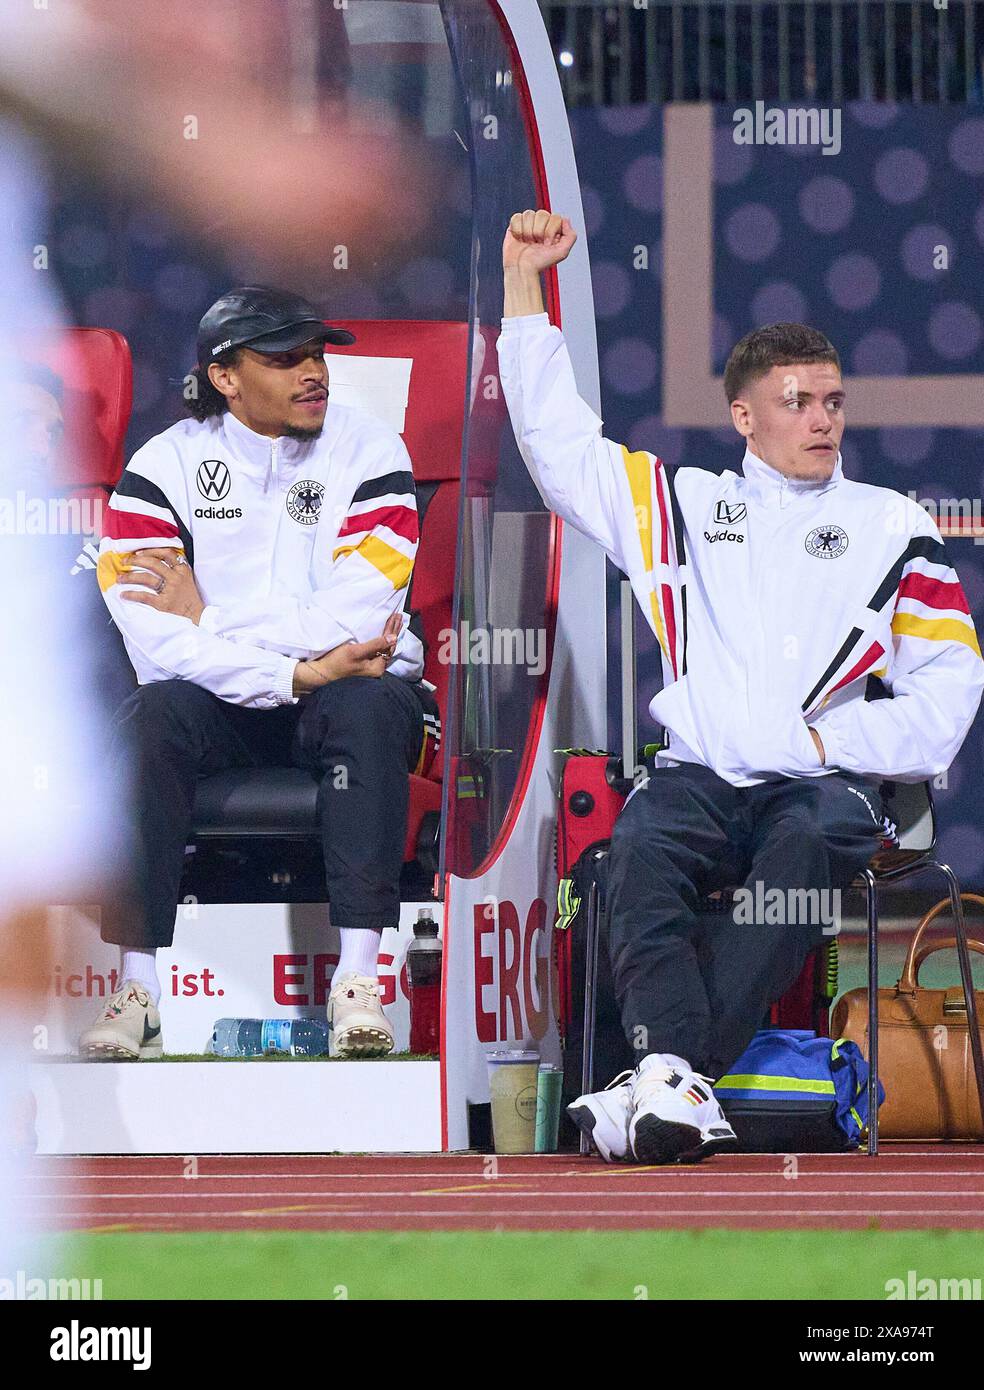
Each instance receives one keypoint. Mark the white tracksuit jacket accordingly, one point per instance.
(296, 547)
(772, 599)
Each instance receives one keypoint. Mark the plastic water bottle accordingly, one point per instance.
(424, 978)
(252, 1037)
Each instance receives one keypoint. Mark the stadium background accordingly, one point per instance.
(844, 243)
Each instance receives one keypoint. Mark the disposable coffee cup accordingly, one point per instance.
(513, 1086)
(549, 1083)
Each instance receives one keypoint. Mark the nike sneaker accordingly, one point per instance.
(127, 1030)
(357, 1025)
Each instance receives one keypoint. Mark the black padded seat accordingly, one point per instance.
(269, 801)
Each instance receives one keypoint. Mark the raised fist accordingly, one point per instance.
(537, 240)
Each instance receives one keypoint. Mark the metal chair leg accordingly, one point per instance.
(871, 890)
(966, 979)
(591, 935)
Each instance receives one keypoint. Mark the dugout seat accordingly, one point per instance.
(96, 373)
(429, 411)
(96, 370)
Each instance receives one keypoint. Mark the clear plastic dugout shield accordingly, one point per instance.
(536, 589)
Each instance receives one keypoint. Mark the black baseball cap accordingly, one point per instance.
(265, 320)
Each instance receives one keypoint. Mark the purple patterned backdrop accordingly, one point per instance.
(842, 242)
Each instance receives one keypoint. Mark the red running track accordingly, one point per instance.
(905, 1187)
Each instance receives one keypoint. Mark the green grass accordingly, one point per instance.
(520, 1265)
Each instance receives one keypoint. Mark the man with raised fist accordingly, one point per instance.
(774, 594)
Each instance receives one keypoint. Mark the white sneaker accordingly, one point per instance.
(675, 1115)
(358, 1027)
(718, 1137)
(128, 1029)
(604, 1117)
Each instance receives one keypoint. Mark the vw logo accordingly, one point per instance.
(725, 515)
(213, 479)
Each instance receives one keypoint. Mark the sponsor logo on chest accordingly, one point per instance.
(735, 536)
(213, 479)
(729, 513)
(726, 515)
(214, 482)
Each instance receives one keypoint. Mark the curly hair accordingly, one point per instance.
(777, 345)
(205, 400)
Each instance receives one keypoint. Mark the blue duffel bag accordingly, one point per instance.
(793, 1092)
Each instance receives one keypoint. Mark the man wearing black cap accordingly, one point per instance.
(257, 559)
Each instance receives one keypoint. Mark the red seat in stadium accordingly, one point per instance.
(95, 368)
(281, 802)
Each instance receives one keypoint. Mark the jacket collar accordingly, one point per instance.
(258, 448)
(767, 486)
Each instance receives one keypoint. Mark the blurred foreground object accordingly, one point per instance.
(216, 115)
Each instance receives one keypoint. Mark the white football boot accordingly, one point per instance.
(675, 1115)
(127, 1030)
(358, 1027)
(604, 1117)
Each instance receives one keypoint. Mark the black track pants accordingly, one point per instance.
(361, 737)
(700, 991)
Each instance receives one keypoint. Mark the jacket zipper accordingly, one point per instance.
(274, 469)
(758, 583)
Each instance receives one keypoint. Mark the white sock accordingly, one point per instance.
(664, 1059)
(359, 952)
(142, 967)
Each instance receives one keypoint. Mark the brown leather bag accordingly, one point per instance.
(924, 1056)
